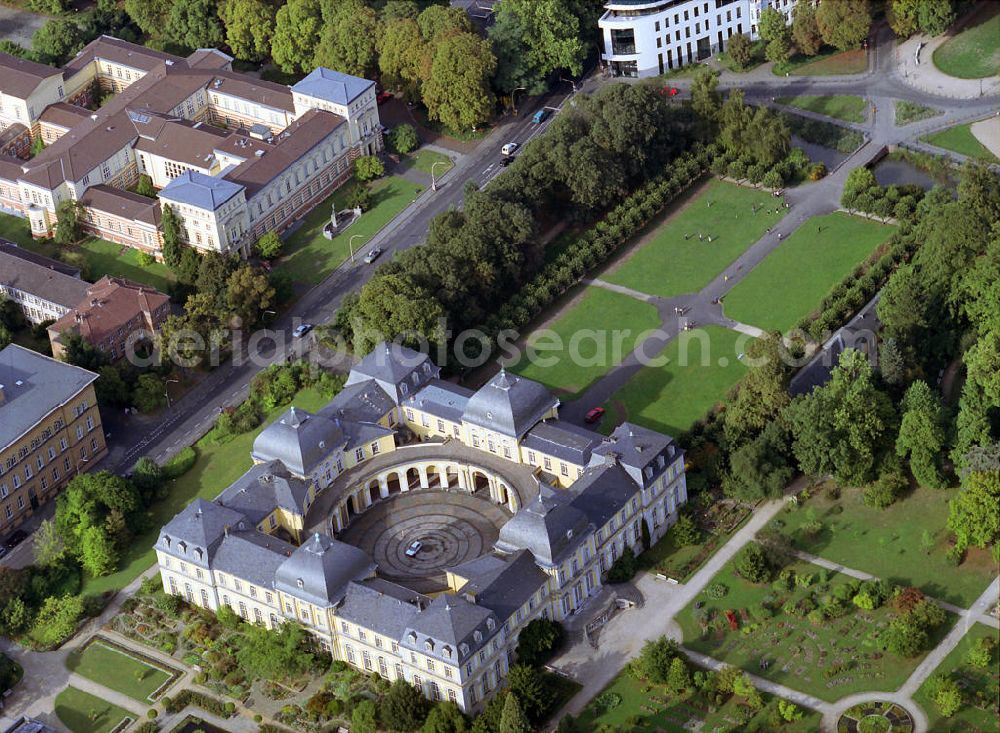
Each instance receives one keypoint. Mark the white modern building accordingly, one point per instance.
(649, 37)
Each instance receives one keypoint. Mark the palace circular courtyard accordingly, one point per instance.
(453, 527)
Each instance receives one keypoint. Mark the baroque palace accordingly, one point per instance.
(231, 155)
(575, 501)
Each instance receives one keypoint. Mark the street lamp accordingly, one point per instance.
(166, 392)
(350, 243)
(434, 186)
(513, 97)
(573, 83)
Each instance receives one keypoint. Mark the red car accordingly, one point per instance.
(383, 97)
(594, 414)
(669, 91)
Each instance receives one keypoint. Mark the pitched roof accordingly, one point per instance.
(64, 115)
(383, 607)
(321, 569)
(197, 189)
(121, 52)
(20, 77)
(209, 58)
(450, 623)
(501, 584)
(563, 440)
(109, 304)
(299, 439)
(549, 527)
(262, 92)
(441, 399)
(264, 488)
(509, 404)
(251, 556)
(602, 491)
(391, 365)
(180, 140)
(358, 402)
(332, 86)
(644, 453)
(33, 386)
(196, 530)
(126, 204)
(14, 249)
(40, 279)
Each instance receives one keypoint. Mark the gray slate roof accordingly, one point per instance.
(391, 366)
(37, 278)
(383, 607)
(501, 584)
(320, 570)
(638, 448)
(14, 249)
(197, 189)
(298, 439)
(196, 530)
(602, 491)
(509, 405)
(550, 527)
(253, 556)
(262, 489)
(333, 86)
(359, 401)
(563, 440)
(448, 622)
(441, 399)
(33, 386)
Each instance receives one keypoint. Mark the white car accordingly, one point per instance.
(372, 255)
(302, 330)
(414, 548)
(509, 148)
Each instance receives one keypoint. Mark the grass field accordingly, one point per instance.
(828, 62)
(309, 256)
(839, 657)
(980, 688)
(907, 112)
(590, 329)
(117, 671)
(670, 397)
(842, 107)
(793, 279)
(83, 713)
(975, 52)
(891, 544)
(960, 139)
(218, 465)
(667, 264)
(424, 160)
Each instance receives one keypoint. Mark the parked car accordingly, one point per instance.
(372, 255)
(16, 538)
(509, 149)
(594, 414)
(302, 330)
(383, 97)
(539, 116)
(507, 160)
(414, 548)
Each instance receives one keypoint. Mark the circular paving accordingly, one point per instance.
(876, 716)
(454, 527)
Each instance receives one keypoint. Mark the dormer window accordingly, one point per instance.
(477, 635)
(300, 583)
(199, 553)
(415, 377)
(182, 546)
(490, 624)
(662, 461)
(463, 648)
(429, 645)
(166, 540)
(446, 651)
(403, 388)
(427, 368)
(413, 637)
(649, 472)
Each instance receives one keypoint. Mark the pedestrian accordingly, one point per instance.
(687, 237)
(779, 236)
(701, 237)
(769, 230)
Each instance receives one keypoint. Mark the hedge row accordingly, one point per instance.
(209, 704)
(594, 246)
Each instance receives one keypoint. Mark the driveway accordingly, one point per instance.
(19, 25)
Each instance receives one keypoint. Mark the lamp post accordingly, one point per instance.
(571, 82)
(166, 391)
(434, 186)
(513, 97)
(350, 244)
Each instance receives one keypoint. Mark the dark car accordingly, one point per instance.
(18, 536)
(594, 414)
(506, 161)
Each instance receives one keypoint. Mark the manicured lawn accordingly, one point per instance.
(83, 713)
(828, 62)
(117, 671)
(842, 107)
(974, 53)
(101, 257)
(907, 112)
(218, 465)
(670, 397)
(309, 256)
(890, 543)
(596, 333)
(627, 700)
(793, 279)
(424, 160)
(674, 261)
(960, 139)
(839, 657)
(980, 689)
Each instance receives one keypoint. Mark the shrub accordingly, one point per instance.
(717, 590)
(752, 564)
(368, 168)
(538, 641)
(269, 245)
(607, 701)
(180, 463)
(981, 653)
(152, 713)
(145, 259)
(360, 198)
(404, 139)
(624, 568)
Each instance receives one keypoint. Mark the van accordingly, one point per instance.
(508, 149)
(538, 116)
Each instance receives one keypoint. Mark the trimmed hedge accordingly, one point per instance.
(180, 463)
(209, 704)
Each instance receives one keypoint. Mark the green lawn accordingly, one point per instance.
(100, 256)
(84, 713)
(644, 707)
(670, 397)
(117, 671)
(974, 53)
(793, 279)
(218, 465)
(960, 139)
(828, 62)
(980, 688)
(907, 112)
(668, 264)
(842, 107)
(839, 657)
(890, 543)
(309, 256)
(595, 334)
(424, 160)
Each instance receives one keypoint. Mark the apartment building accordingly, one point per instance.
(50, 430)
(650, 37)
(285, 148)
(45, 289)
(576, 500)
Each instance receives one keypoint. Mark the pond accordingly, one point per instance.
(818, 153)
(899, 172)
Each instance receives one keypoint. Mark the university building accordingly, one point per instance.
(576, 501)
(650, 37)
(231, 155)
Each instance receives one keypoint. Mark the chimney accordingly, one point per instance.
(3, 396)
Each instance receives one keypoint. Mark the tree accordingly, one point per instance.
(171, 237)
(678, 678)
(805, 29)
(740, 50)
(6, 337)
(297, 27)
(743, 687)
(269, 245)
(274, 654)
(904, 636)
(439, 21)
(194, 24)
(150, 393)
(763, 392)
(774, 30)
(404, 56)
(368, 168)
(98, 554)
(653, 662)
(685, 532)
(921, 435)
(249, 27)
(513, 719)
(932, 17)
(68, 228)
(457, 93)
(538, 641)
(859, 181)
(752, 564)
(82, 353)
(145, 186)
(884, 491)
(347, 38)
(844, 24)
(37, 146)
(527, 685)
(445, 717)
(56, 41)
(788, 710)
(947, 695)
(403, 138)
(56, 619)
(763, 467)
(48, 546)
(149, 15)
(705, 99)
(391, 305)
(972, 514)
(403, 707)
(363, 718)
(249, 294)
(980, 653)
(147, 475)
